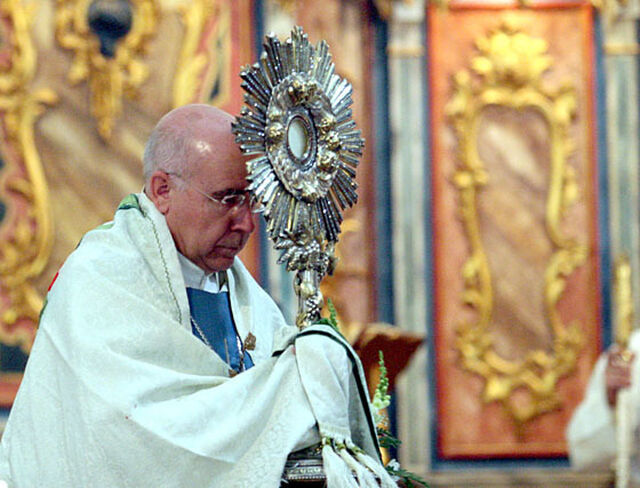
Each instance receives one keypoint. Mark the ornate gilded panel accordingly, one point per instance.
(109, 78)
(220, 76)
(26, 229)
(624, 309)
(210, 20)
(505, 99)
(287, 5)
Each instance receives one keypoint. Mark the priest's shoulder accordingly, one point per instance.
(111, 243)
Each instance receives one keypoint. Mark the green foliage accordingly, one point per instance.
(381, 400)
(386, 439)
(381, 397)
(407, 477)
(332, 321)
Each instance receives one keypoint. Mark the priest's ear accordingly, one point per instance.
(158, 189)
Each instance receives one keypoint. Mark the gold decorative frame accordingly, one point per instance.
(220, 72)
(608, 7)
(26, 246)
(109, 79)
(624, 309)
(193, 59)
(509, 73)
(287, 5)
(191, 62)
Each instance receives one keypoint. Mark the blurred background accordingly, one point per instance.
(498, 192)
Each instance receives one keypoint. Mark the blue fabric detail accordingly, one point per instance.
(212, 312)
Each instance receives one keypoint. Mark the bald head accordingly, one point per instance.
(186, 137)
(191, 163)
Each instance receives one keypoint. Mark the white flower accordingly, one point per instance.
(393, 464)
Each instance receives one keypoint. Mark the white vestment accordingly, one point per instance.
(591, 433)
(118, 392)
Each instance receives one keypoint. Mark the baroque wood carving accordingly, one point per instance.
(197, 18)
(27, 228)
(508, 73)
(109, 79)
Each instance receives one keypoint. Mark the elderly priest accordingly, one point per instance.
(160, 362)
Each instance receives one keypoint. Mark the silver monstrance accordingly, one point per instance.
(298, 123)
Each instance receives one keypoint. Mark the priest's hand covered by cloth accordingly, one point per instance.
(159, 361)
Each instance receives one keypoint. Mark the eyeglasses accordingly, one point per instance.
(232, 200)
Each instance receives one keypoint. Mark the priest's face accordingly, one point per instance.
(206, 206)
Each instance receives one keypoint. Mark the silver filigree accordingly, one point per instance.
(298, 122)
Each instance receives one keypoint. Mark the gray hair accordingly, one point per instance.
(167, 149)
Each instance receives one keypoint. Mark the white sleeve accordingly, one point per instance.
(591, 431)
(591, 434)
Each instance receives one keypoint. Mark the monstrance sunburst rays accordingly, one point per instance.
(298, 122)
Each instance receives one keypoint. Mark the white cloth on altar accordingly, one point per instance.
(591, 433)
(118, 392)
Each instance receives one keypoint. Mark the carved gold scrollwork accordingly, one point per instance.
(196, 17)
(623, 301)
(287, 5)
(192, 62)
(509, 74)
(109, 79)
(26, 246)
(610, 8)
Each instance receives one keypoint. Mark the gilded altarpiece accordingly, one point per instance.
(26, 230)
(61, 172)
(517, 308)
